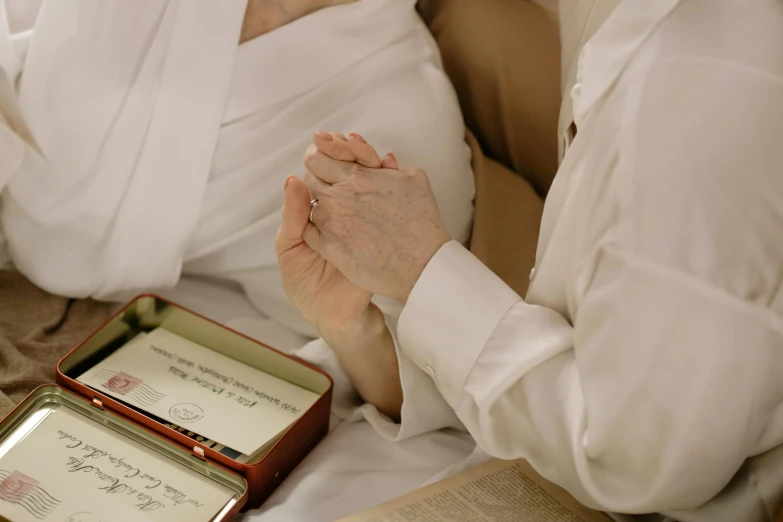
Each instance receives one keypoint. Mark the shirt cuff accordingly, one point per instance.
(423, 407)
(450, 315)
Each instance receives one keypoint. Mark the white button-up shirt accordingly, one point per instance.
(644, 370)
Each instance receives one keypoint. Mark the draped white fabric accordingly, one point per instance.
(166, 147)
(166, 144)
(642, 370)
(126, 104)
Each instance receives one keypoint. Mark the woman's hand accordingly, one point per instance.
(340, 311)
(378, 227)
(321, 293)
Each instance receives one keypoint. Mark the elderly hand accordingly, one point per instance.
(378, 227)
(324, 297)
(340, 311)
(317, 289)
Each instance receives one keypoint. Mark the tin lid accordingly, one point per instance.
(62, 458)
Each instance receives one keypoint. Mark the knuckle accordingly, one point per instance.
(356, 171)
(329, 229)
(324, 221)
(333, 221)
(417, 174)
(324, 214)
(310, 154)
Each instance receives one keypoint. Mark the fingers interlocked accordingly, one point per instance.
(337, 169)
(353, 149)
(333, 158)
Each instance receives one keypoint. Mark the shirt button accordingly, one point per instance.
(430, 370)
(532, 274)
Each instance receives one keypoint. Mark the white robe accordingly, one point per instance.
(166, 145)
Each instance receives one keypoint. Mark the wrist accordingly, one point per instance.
(358, 333)
(416, 269)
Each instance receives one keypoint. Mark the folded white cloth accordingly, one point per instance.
(165, 144)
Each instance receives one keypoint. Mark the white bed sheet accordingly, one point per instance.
(353, 468)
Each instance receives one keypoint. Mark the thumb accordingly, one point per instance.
(296, 212)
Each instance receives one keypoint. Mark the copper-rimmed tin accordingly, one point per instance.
(147, 312)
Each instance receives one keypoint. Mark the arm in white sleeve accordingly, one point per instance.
(668, 378)
(423, 408)
(651, 402)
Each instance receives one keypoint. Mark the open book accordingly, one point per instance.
(497, 491)
(201, 393)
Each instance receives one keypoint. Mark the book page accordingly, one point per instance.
(201, 390)
(497, 491)
(72, 469)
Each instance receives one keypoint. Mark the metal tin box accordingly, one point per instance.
(251, 482)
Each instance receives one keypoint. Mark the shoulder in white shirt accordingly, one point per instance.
(643, 370)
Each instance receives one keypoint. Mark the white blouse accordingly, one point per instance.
(643, 370)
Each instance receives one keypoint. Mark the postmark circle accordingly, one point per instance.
(186, 413)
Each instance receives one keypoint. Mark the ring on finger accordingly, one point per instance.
(313, 204)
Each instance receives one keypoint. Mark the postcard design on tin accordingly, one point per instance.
(71, 468)
(17, 488)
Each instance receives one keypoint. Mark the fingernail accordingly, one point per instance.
(286, 182)
(324, 136)
(358, 137)
(390, 155)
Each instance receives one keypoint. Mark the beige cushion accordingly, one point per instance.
(506, 221)
(503, 57)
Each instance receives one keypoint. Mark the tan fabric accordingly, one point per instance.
(504, 60)
(506, 221)
(36, 330)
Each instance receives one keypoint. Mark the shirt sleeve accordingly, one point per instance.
(423, 409)
(616, 407)
(666, 377)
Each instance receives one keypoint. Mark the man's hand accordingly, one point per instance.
(378, 227)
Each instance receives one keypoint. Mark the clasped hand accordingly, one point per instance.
(374, 230)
